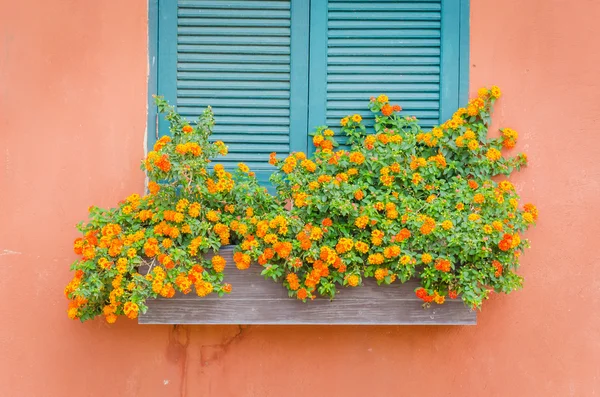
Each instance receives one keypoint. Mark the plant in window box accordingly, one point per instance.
(401, 203)
(189, 210)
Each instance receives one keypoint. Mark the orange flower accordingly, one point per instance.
(361, 222)
(218, 263)
(356, 158)
(302, 294)
(428, 225)
(532, 209)
(187, 129)
(387, 110)
(352, 280)
(327, 222)
(273, 158)
(380, 274)
(131, 310)
(403, 235)
(443, 265)
(498, 266)
(242, 261)
(153, 187)
(293, 282)
(163, 163)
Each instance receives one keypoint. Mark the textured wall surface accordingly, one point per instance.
(72, 125)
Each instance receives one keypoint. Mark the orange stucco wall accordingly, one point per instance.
(72, 125)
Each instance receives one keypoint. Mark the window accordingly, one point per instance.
(274, 70)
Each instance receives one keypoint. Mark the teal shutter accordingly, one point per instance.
(246, 59)
(407, 49)
(274, 70)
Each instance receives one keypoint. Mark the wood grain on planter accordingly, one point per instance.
(254, 300)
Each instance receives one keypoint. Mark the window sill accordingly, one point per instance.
(254, 300)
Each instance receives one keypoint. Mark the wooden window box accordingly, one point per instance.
(254, 300)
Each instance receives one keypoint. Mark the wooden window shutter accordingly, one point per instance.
(246, 59)
(410, 50)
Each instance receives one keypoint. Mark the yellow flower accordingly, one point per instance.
(469, 135)
(352, 280)
(328, 132)
(496, 92)
(357, 118)
(493, 154)
(473, 145)
(447, 225)
(344, 121)
(426, 258)
(474, 217)
(382, 98)
(528, 218)
(243, 167)
(361, 247)
(483, 93)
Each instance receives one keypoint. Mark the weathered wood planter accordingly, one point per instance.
(255, 300)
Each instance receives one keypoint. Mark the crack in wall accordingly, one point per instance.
(215, 352)
(177, 351)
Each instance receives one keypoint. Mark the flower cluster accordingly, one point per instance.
(154, 245)
(399, 203)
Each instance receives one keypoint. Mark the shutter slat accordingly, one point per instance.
(231, 67)
(240, 75)
(387, 88)
(212, 31)
(235, 40)
(377, 69)
(383, 78)
(383, 42)
(381, 52)
(247, 22)
(234, 85)
(379, 6)
(208, 94)
(233, 49)
(382, 24)
(272, 15)
(362, 14)
(372, 60)
(383, 34)
(360, 96)
(228, 4)
(407, 105)
(233, 103)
